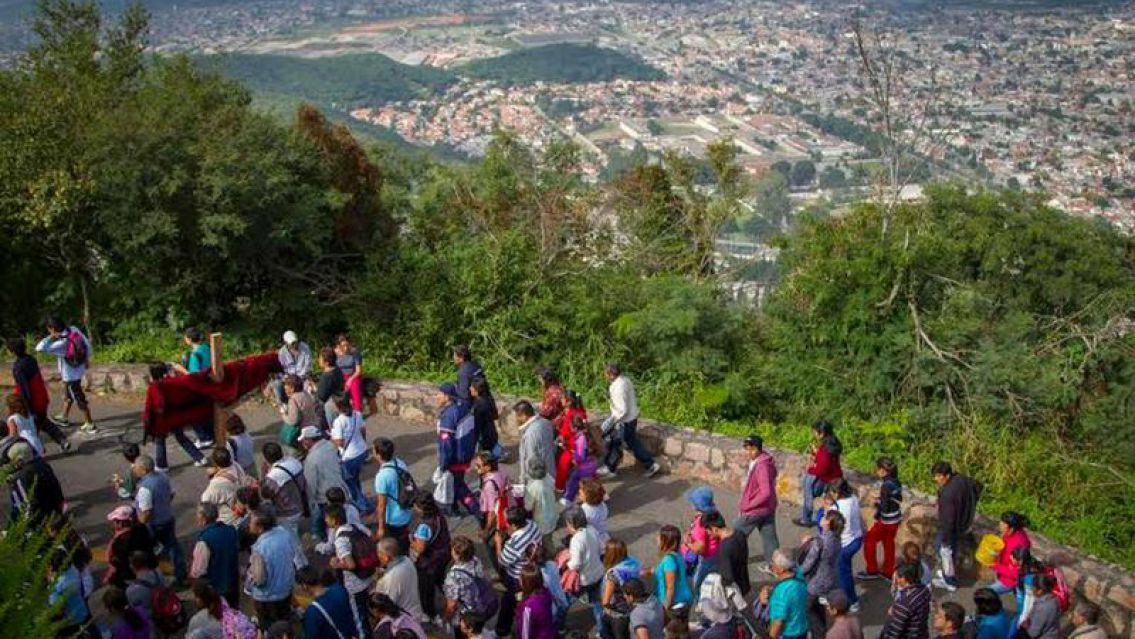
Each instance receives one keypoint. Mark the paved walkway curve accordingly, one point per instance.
(638, 506)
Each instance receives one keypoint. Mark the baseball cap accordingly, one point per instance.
(754, 441)
(290, 337)
(311, 432)
(448, 388)
(701, 499)
(423, 532)
(122, 513)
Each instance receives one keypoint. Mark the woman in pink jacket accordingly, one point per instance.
(1013, 533)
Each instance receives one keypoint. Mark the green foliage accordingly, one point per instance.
(363, 79)
(24, 588)
(561, 63)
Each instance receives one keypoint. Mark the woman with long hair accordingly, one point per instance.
(572, 405)
(671, 585)
(825, 469)
(551, 406)
(1013, 531)
(888, 517)
(618, 567)
(534, 618)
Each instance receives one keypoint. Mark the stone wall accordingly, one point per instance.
(719, 460)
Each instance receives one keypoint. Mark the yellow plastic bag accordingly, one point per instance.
(989, 549)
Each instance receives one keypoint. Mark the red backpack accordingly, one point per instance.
(76, 353)
(1061, 591)
(363, 551)
(166, 609)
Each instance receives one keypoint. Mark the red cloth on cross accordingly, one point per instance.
(176, 402)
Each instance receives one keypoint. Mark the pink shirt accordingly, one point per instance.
(698, 532)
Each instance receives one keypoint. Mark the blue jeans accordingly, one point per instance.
(1000, 588)
(166, 535)
(161, 459)
(701, 571)
(811, 486)
(318, 526)
(846, 576)
(352, 468)
(630, 438)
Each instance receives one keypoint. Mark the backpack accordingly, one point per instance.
(363, 551)
(166, 608)
(486, 601)
(76, 353)
(1061, 591)
(407, 487)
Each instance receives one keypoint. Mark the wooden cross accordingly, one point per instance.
(217, 373)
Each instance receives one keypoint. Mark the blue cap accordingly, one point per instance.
(448, 388)
(702, 499)
(423, 532)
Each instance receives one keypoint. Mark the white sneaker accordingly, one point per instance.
(565, 503)
(604, 472)
(943, 584)
(88, 428)
(653, 470)
(854, 609)
(161, 469)
(203, 444)
(201, 463)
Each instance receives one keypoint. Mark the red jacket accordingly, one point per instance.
(29, 384)
(563, 422)
(1006, 572)
(825, 466)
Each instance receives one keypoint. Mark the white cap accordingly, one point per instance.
(290, 337)
(311, 432)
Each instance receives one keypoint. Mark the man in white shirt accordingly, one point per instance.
(356, 580)
(585, 558)
(295, 359)
(350, 436)
(624, 412)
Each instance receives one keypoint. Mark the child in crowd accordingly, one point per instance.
(472, 626)
(586, 449)
(21, 424)
(240, 444)
(700, 548)
(124, 482)
(338, 497)
(595, 506)
(912, 554)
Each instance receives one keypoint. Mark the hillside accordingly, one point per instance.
(565, 63)
(343, 81)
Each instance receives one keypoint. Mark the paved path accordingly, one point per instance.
(638, 506)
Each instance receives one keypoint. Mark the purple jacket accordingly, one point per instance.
(534, 617)
(759, 496)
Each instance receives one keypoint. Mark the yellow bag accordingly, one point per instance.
(989, 549)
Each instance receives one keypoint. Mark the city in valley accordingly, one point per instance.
(1022, 94)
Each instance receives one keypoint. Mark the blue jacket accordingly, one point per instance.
(222, 573)
(276, 549)
(456, 435)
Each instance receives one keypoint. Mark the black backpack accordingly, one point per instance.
(407, 487)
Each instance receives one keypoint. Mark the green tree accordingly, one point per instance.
(833, 178)
(803, 172)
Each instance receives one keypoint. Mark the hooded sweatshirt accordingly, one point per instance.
(759, 496)
(825, 465)
(1006, 572)
(957, 506)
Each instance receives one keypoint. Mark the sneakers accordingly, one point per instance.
(653, 470)
(565, 503)
(65, 446)
(202, 444)
(863, 575)
(88, 428)
(161, 469)
(59, 419)
(803, 523)
(941, 583)
(201, 463)
(854, 609)
(765, 568)
(604, 472)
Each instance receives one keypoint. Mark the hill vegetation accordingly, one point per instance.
(360, 79)
(141, 195)
(561, 63)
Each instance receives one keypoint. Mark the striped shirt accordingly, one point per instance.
(910, 614)
(514, 552)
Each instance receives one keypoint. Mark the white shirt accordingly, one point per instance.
(624, 405)
(351, 582)
(597, 519)
(25, 428)
(852, 520)
(349, 428)
(585, 556)
(143, 499)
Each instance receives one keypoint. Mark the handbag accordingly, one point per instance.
(443, 487)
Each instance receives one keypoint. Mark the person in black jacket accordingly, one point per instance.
(485, 418)
(29, 385)
(332, 385)
(468, 370)
(957, 507)
(34, 488)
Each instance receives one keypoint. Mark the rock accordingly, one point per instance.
(412, 413)
(697, 451)
(716, 458)
(1121, 595)
(672, 447)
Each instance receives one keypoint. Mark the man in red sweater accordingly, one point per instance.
(757, 507)
(30, 386)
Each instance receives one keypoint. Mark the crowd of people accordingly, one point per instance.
(290, 542)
